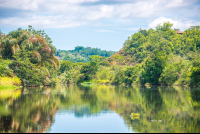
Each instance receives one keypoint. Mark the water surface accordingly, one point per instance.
(100, 108)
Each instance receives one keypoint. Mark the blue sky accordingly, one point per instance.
(104, 24)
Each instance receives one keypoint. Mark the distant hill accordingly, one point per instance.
(81, 54)
(142, 44)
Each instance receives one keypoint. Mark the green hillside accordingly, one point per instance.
(143, 43)
(160, 56)
(81, 54)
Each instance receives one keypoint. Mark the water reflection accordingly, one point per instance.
(161, 109)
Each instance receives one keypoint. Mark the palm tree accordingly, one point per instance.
(42, 51)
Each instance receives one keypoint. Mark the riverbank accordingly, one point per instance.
(9, 87)
(10, 83)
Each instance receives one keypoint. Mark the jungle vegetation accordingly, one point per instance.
(29, 55)
(155, 56)
(82, 54)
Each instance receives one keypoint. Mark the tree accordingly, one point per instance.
(4, 68)
(166, 26)
(154, 66)
(195, 72)
(36, 42)
(28, 72)
(65, 66)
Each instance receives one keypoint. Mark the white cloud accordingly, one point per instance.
(42, 21)
(34, 5)
(180, 24)
(71, 13)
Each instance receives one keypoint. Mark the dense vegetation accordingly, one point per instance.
(159, 56)
(81, 54)
(144, 43)
(29, 55)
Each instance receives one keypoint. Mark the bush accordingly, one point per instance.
(195, 71)
(4, 68)
(154, 66)
(103, 81)
(29, 73)
(10, 81)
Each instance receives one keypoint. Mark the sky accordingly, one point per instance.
(104, 24)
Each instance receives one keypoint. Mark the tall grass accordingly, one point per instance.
(10, 81)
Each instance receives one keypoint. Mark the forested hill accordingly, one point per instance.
(142, 44)
(81, 54)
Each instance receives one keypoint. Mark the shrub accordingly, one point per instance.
(4, 68)
(10, 81)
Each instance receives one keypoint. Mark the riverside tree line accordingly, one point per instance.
(154, 56)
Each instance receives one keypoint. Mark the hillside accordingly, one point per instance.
(160, 57)
(81, 54)
(143, 43)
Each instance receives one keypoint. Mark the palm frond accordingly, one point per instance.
(32, 39)
(37, 55)
(52, 62)
(56, 60)
(15, 49)
(46, 49)
(13, 41)
(41, 40)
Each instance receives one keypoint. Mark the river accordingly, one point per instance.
(100, 108)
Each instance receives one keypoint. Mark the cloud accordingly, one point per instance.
(35, 5)
(72, 13)
(180, 24)
(42, 21)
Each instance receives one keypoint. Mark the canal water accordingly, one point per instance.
(100, 108)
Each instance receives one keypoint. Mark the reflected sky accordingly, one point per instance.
(108, 122)
(100, 108)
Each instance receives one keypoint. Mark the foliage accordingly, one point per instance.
(81, 54)
(10, 81)
(153, 67)
(143, 43)
(36, 42)
(175, 69)
(154, 56)
(195, 71)
(132, 74)
(162, 55)
(71, 76)
(32, 54)
(88, 71)
(65, 66)
(4, 68)
(27, 71)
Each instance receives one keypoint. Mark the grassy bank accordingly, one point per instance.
(9, 83)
